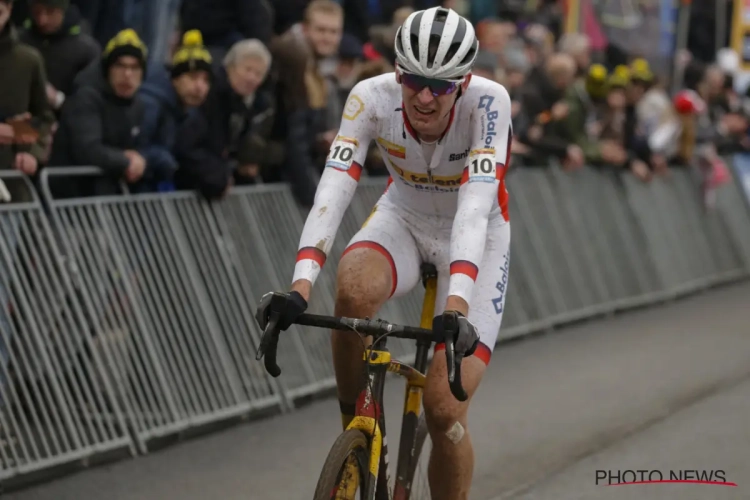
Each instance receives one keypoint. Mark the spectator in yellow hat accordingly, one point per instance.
(620, 124)
(168, 97)
(100, 123)
(586, 103)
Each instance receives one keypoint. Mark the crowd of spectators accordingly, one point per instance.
(252, 92)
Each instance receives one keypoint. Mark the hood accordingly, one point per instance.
(71, 26)
(159, 86)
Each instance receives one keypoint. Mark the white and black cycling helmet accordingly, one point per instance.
(436, 43)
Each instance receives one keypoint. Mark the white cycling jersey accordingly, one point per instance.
(460, 180)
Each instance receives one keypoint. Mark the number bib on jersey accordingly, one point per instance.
(342, 152)
(482, 167)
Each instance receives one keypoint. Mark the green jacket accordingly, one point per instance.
(581, 110)
(23, 90)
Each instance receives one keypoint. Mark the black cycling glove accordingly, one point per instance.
(454, 325)
(289, 305)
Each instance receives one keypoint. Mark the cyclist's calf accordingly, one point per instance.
(363, 286)
(452, 458)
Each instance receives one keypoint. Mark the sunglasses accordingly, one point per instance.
(437, 87)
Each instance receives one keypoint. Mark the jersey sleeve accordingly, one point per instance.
(338, 182)
(478, 194)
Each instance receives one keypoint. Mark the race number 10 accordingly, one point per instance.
(482, 165)
(342, 153)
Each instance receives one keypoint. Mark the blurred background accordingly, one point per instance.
(158, 158)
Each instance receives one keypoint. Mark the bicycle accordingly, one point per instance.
(359, 457)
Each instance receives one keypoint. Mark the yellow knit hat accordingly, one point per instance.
(596, 81)
(125, 43)
(620, 77)
(191, 55)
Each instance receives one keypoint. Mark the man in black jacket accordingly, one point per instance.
(100, 123)
(543, 108)
(230, 134)
(55, 31)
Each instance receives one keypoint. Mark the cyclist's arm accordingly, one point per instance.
(488, 157)
(336, 189)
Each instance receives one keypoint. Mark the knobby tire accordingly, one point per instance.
(350, 443)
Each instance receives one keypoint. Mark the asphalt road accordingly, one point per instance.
(662, 389)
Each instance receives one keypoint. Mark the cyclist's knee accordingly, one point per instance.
(363, 283)
(443, 412)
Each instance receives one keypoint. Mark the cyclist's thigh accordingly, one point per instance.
(386, 233)
(488, 296)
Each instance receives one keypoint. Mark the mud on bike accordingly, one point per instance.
(358, 459)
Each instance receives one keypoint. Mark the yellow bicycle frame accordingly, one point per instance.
(368, 418)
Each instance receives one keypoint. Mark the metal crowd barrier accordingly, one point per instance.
(131, 317)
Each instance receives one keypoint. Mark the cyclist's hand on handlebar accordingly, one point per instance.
(454, 325)
(292, 306)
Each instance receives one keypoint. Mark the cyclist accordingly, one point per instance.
(446, 140)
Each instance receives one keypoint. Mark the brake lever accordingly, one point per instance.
(457, 387)
(269, 342)
(454, 360)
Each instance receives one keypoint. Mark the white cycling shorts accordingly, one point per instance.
(408, 239)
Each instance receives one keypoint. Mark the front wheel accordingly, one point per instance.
(345, 470)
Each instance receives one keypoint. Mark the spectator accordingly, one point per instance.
(383, 36)
(539, 44)
(344, 77)
(155, 21)
(167, 99)
(302, 93)
(543, 109)
(516, 68)
(106, 18)
(100, 123)
(25, 115)
(350, 57)
(486, 65)
(618, 129)
(578, 46)
(494, 35)
(23, 105)
(714, 124)
(55, 31)
(583, 122)
(656, 127)
(230, 135)
(225, 22)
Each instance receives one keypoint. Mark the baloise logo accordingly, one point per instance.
(485, 102)
(501, 286)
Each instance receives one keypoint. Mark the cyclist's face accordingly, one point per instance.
(429, 113)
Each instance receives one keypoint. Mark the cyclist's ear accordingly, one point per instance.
(465, 83)
(398, 76)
